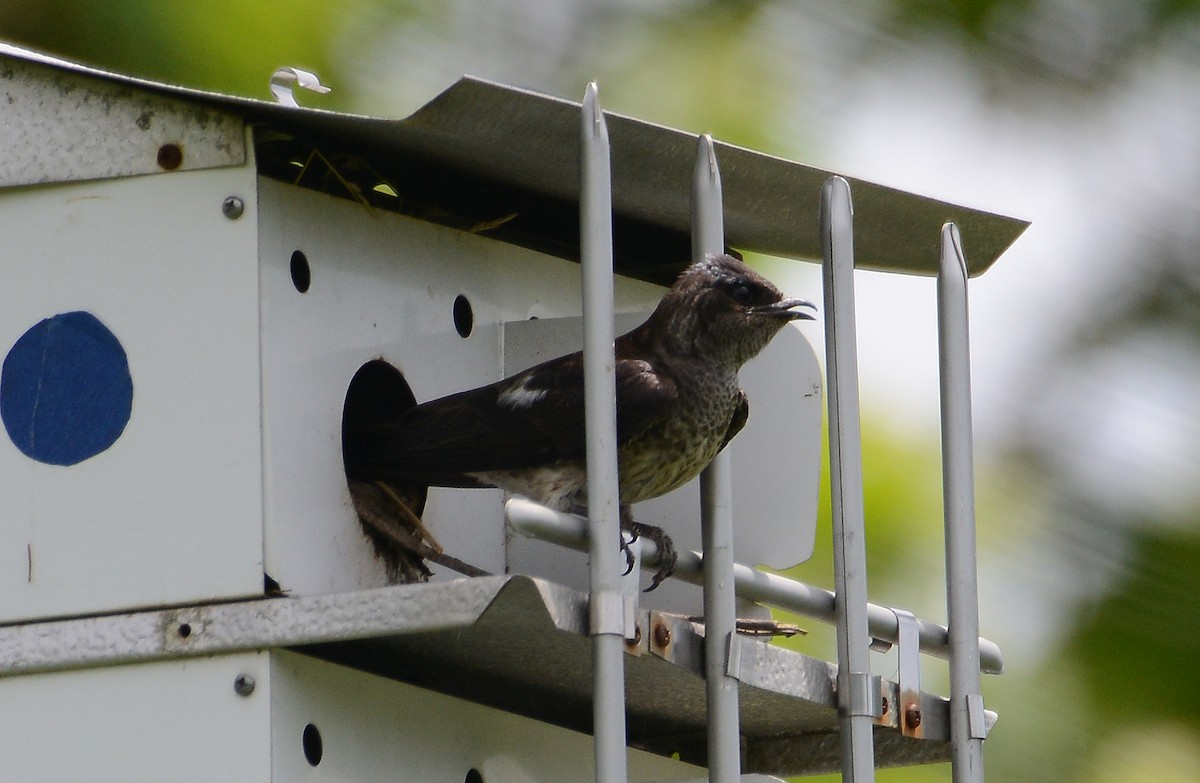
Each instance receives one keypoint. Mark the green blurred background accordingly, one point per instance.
(1080, 115)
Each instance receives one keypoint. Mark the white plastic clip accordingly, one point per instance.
(865, 695)
(976, 716)
(733, 657)
(283, 79)
(612, 613)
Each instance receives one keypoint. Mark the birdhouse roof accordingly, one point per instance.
(503, 162)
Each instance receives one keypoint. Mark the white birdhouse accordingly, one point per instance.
(200, 289)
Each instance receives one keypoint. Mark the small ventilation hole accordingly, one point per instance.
(310, 740)
(464, 316)
(301, 272)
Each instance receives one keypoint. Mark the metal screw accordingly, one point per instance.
(662, 635)
(243, 685)
(885, 705)
(170, 156)
(912, 716)
(233, 207)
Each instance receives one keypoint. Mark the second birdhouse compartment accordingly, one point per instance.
(366, 312)
(291, 271)
(211, 297)
(396, 310)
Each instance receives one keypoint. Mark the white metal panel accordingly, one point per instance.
(776, 458)
(176, 720)
(170, 513)
(61, 126)
(374, 729)
(383, 286)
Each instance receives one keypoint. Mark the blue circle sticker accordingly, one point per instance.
(65, 389)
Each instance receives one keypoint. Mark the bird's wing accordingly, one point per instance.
(739, 418)
(549, 399)
(533, 418)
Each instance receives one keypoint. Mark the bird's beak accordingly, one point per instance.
(783, 309)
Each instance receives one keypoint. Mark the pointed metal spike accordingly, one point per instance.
(593, 116)
(952, 242)
(708, 230)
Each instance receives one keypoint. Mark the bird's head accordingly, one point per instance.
(724, 310)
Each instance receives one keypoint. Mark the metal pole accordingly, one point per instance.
(546, 524)
(606, 603)
(858, 699)
(716, 517)
(967, 728)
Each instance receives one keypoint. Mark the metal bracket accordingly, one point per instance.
(662, 635)
(612, 613)
(283, 79)
(908, 651)
(864, 695)
(639, 642)
(733, 656)
(880, 645)
(976, 717)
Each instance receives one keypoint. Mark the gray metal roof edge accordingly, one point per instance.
(220, 99)
(770, 201)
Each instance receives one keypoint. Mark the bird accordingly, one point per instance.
(678, 403)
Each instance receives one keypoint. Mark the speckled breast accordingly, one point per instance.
(670, 455)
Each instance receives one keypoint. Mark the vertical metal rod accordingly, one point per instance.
(716, 517)
(856, 687)
(958, 492)
(606, 604)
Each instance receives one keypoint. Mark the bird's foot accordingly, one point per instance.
(627, 550)
(666, 550)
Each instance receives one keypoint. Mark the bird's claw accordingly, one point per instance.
(666, 550)
(627, 549)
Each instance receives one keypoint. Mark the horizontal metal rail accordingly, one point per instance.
(239, 626)
(536, 521)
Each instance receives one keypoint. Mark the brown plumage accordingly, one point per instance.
(678, 404)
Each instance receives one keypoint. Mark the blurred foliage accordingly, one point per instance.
(1137, 643)
(903, 512)
(1082, 46)
(670, 83)
(1076, 514)
(902, 505)
(222, 45)
(974, 19)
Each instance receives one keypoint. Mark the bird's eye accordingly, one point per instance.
(741, 294)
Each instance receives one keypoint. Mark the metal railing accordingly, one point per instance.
(859, 623)
(606, 604)
(567, 530)
(716, 517)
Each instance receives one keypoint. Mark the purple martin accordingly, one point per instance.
(678, 404)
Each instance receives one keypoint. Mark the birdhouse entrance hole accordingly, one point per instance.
(377, 393)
